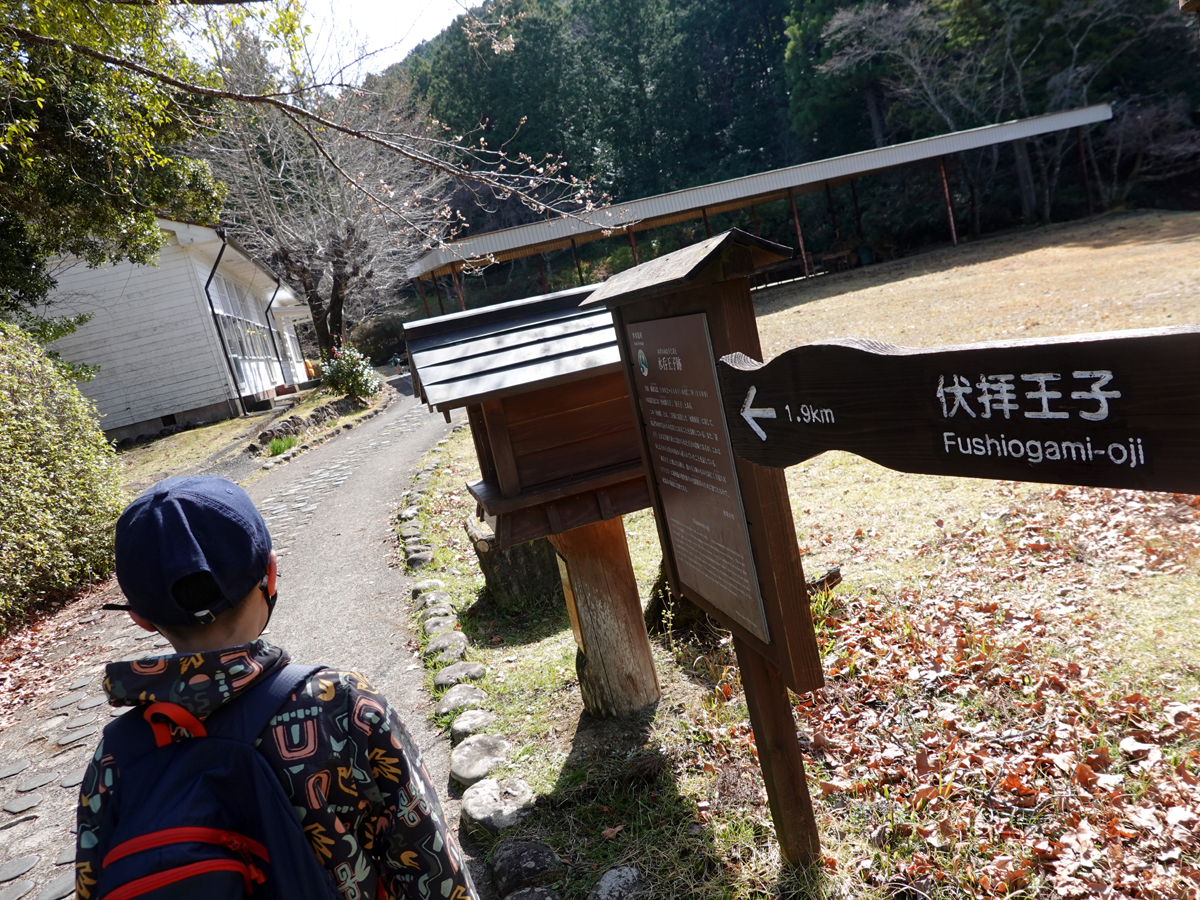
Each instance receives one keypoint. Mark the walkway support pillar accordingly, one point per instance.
(421, 291)
(542, 272)
(632, 244)
(799, 235)
(707, 229)
(946, 197)
(578, 265)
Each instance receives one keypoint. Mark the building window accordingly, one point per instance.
(244, 327)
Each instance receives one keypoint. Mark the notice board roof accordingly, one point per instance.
(738, 252)
(736, 193)
(483, 354)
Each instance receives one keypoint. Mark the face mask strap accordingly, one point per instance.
(271, 598)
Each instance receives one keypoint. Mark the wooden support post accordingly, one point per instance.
(458, 287)
(578, 265)
(1087, 185)
(503, 458)
(754, 218)
(542, 272)
(614, 663)
(949, 203)
(799, 234)
(707, 229)
(832, 211)
(632, 244)
(779, 756)
(421, 291)
(437, 291)
(857, 213)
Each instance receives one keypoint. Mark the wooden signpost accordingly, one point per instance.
(725, 525)
(1118, 410)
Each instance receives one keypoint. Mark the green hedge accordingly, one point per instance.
(59, 480)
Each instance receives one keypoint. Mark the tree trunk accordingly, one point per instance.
(614, 663)
(308, 279)
(1047, 180)
(872, 97)
(337, 300)
(321, 326)
(526, 573)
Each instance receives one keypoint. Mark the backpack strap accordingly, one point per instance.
(129, 738)
(245, 718)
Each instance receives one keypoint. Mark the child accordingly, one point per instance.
(194, 560)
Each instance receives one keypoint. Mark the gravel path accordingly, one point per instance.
(342, 602)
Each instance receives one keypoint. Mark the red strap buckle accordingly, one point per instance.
(177, 716)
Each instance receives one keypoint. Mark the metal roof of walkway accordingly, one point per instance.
(737, 193)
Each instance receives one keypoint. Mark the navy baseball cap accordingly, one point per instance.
(183, 526)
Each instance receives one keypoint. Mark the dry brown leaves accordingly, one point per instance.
(34, 656)
(978, 715)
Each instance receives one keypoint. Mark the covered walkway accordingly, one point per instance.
(738, 193)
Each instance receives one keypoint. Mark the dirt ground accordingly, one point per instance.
(1136, 270)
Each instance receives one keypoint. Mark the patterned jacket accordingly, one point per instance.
(346, 762)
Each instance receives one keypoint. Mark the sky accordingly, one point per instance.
(390, 28)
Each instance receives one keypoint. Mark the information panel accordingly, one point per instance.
(690, 454)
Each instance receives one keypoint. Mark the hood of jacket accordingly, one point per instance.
(199, 682)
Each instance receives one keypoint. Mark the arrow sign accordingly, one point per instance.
(749, 413)
(1120, 409)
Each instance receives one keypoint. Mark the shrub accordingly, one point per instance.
(281, 445)
(346, 371)
(59, 480)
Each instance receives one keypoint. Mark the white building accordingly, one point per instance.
(206, 334)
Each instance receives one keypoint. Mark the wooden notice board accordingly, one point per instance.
(697, 300)
(692, 463)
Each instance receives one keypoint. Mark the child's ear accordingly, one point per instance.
(142, 622)
(272, 573)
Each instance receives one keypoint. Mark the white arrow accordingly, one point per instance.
(749, 413)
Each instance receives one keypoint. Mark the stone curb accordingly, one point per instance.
(461, 698)
(391, 395)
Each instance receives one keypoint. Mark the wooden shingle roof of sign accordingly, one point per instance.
(731, 254)
(467, 357)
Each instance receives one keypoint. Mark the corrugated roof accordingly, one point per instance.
(467, 357)
(737, 193)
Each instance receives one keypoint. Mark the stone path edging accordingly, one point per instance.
(391, 395)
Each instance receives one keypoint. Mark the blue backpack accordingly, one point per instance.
(206, 817)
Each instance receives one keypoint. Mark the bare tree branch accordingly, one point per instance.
(518, 184)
